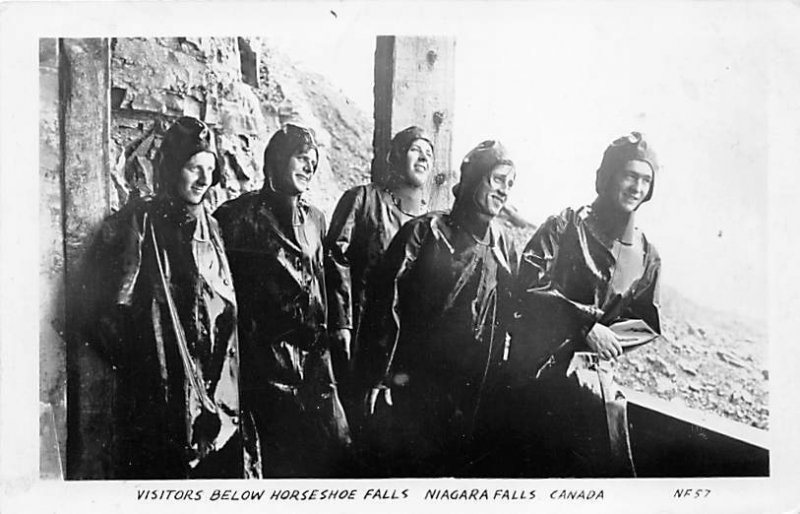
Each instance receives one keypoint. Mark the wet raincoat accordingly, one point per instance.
(365, 221)
(287, 380)
(165, 272)
(571, 277)
(433, 332)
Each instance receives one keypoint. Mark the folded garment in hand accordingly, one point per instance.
(633, 333)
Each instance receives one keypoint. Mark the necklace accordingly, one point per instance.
(398, 203)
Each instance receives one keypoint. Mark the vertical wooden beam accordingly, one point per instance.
(415, 85)
(85, 118)
(382, 95)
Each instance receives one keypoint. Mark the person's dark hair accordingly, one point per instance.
(289, 140)
(185, 138)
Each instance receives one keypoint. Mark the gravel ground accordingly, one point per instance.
(710, 361)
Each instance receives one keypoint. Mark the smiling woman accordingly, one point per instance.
(195, 177)
(290, 160)
(160, 301)
(631, 185)
(418, 162)
(491, 194)
(274, 243)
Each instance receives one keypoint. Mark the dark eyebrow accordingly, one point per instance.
(639, 174)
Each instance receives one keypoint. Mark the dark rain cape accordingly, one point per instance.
(571, 277)
(434, 332)
(176, 350)
(363, 224)
(287, 379)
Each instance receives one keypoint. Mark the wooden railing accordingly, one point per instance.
(671, 440)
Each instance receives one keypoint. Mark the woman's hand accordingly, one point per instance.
(340, 340)
(371, 400)
(604, 342)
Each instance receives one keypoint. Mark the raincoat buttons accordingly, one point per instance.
(226, 281)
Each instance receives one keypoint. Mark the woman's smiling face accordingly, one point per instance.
(195, 177)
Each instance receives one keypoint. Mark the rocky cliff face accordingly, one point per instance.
(244, 89)
(710, 361)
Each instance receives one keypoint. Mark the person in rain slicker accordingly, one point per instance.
(433, 330)
(366, 219)
(274, 240)
(168, 320)
(588, 285)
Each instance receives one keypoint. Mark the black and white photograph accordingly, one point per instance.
(511, 256)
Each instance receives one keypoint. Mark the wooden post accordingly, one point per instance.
(85, 121)
(414, 85)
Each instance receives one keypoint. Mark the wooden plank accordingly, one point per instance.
(670, 440)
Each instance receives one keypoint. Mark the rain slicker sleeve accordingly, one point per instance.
(539, 287)
(339, 257)
(364, 223)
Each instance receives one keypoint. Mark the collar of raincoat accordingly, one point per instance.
(443, 231)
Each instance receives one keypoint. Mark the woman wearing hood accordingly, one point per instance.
(274, 243)
(174, 338)
(433, 332)
(366, 219)
(586, 275)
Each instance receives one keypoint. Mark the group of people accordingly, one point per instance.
(259, 341)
